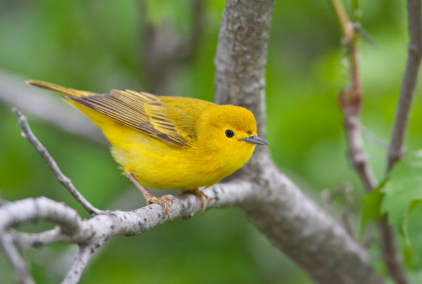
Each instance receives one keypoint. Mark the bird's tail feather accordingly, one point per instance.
(58, 89)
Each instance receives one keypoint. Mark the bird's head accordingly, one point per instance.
(231, 131)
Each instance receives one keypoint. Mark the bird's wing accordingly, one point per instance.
(141, 111)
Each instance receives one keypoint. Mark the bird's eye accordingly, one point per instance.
(229, 133)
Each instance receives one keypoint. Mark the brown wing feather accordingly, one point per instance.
(128, 108)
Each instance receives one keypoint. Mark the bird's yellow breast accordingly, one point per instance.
(158, 165)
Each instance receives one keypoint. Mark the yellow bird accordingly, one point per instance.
(168, 142)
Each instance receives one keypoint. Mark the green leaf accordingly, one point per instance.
(371, 207)
(406, 215)
(403, 191)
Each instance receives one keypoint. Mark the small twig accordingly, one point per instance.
(350, 102)
(15, 259)
(390, 254)
(346, 25)
(360, 30)
(40, 239)
(372, 137)
(65, 181)
(407, 92)
(345, 218)
(356, 151)
(345, 191)
(79, 262)
(396, 149)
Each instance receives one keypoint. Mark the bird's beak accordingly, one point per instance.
(253, 139)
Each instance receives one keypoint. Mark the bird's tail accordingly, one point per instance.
(113, 130)
(58, 89)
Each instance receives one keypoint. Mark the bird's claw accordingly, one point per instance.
(161, 201)
(202, 196)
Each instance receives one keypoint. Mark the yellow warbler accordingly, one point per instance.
(169, 142)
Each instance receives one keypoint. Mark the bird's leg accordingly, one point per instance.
(202, 196)
(151, 198)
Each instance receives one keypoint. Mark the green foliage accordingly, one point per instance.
(398, 195)
(403, 190)
(371, 209)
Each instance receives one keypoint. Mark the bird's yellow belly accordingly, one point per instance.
(157, 165)
(160, 166)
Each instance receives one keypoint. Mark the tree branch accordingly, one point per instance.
(40, 239)
(401, 121)
(407, 92)
(15, 259)
(291, 221)
(65, 181)
(93, 232)
(350, 101)
(79, 262)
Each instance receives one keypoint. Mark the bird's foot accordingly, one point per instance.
(202, 196)
(163, 201)
(151, 199)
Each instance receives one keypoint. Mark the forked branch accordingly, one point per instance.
(350, 101)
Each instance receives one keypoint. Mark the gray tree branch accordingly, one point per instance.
(79, 262)
(401, 121)
(291, 221)
(407, 92)
(15, 259)
(92, 233)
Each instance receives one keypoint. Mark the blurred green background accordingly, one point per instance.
(99, 45)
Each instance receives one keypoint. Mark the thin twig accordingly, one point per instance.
(350, 102)
(396, 149)
(37, 240)
(407, 92)
(344, 191)
(79, 262)
(15, 259)
(372, 137)
(390, 254)
(65, 181)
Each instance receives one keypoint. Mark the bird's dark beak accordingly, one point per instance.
(253, 139)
